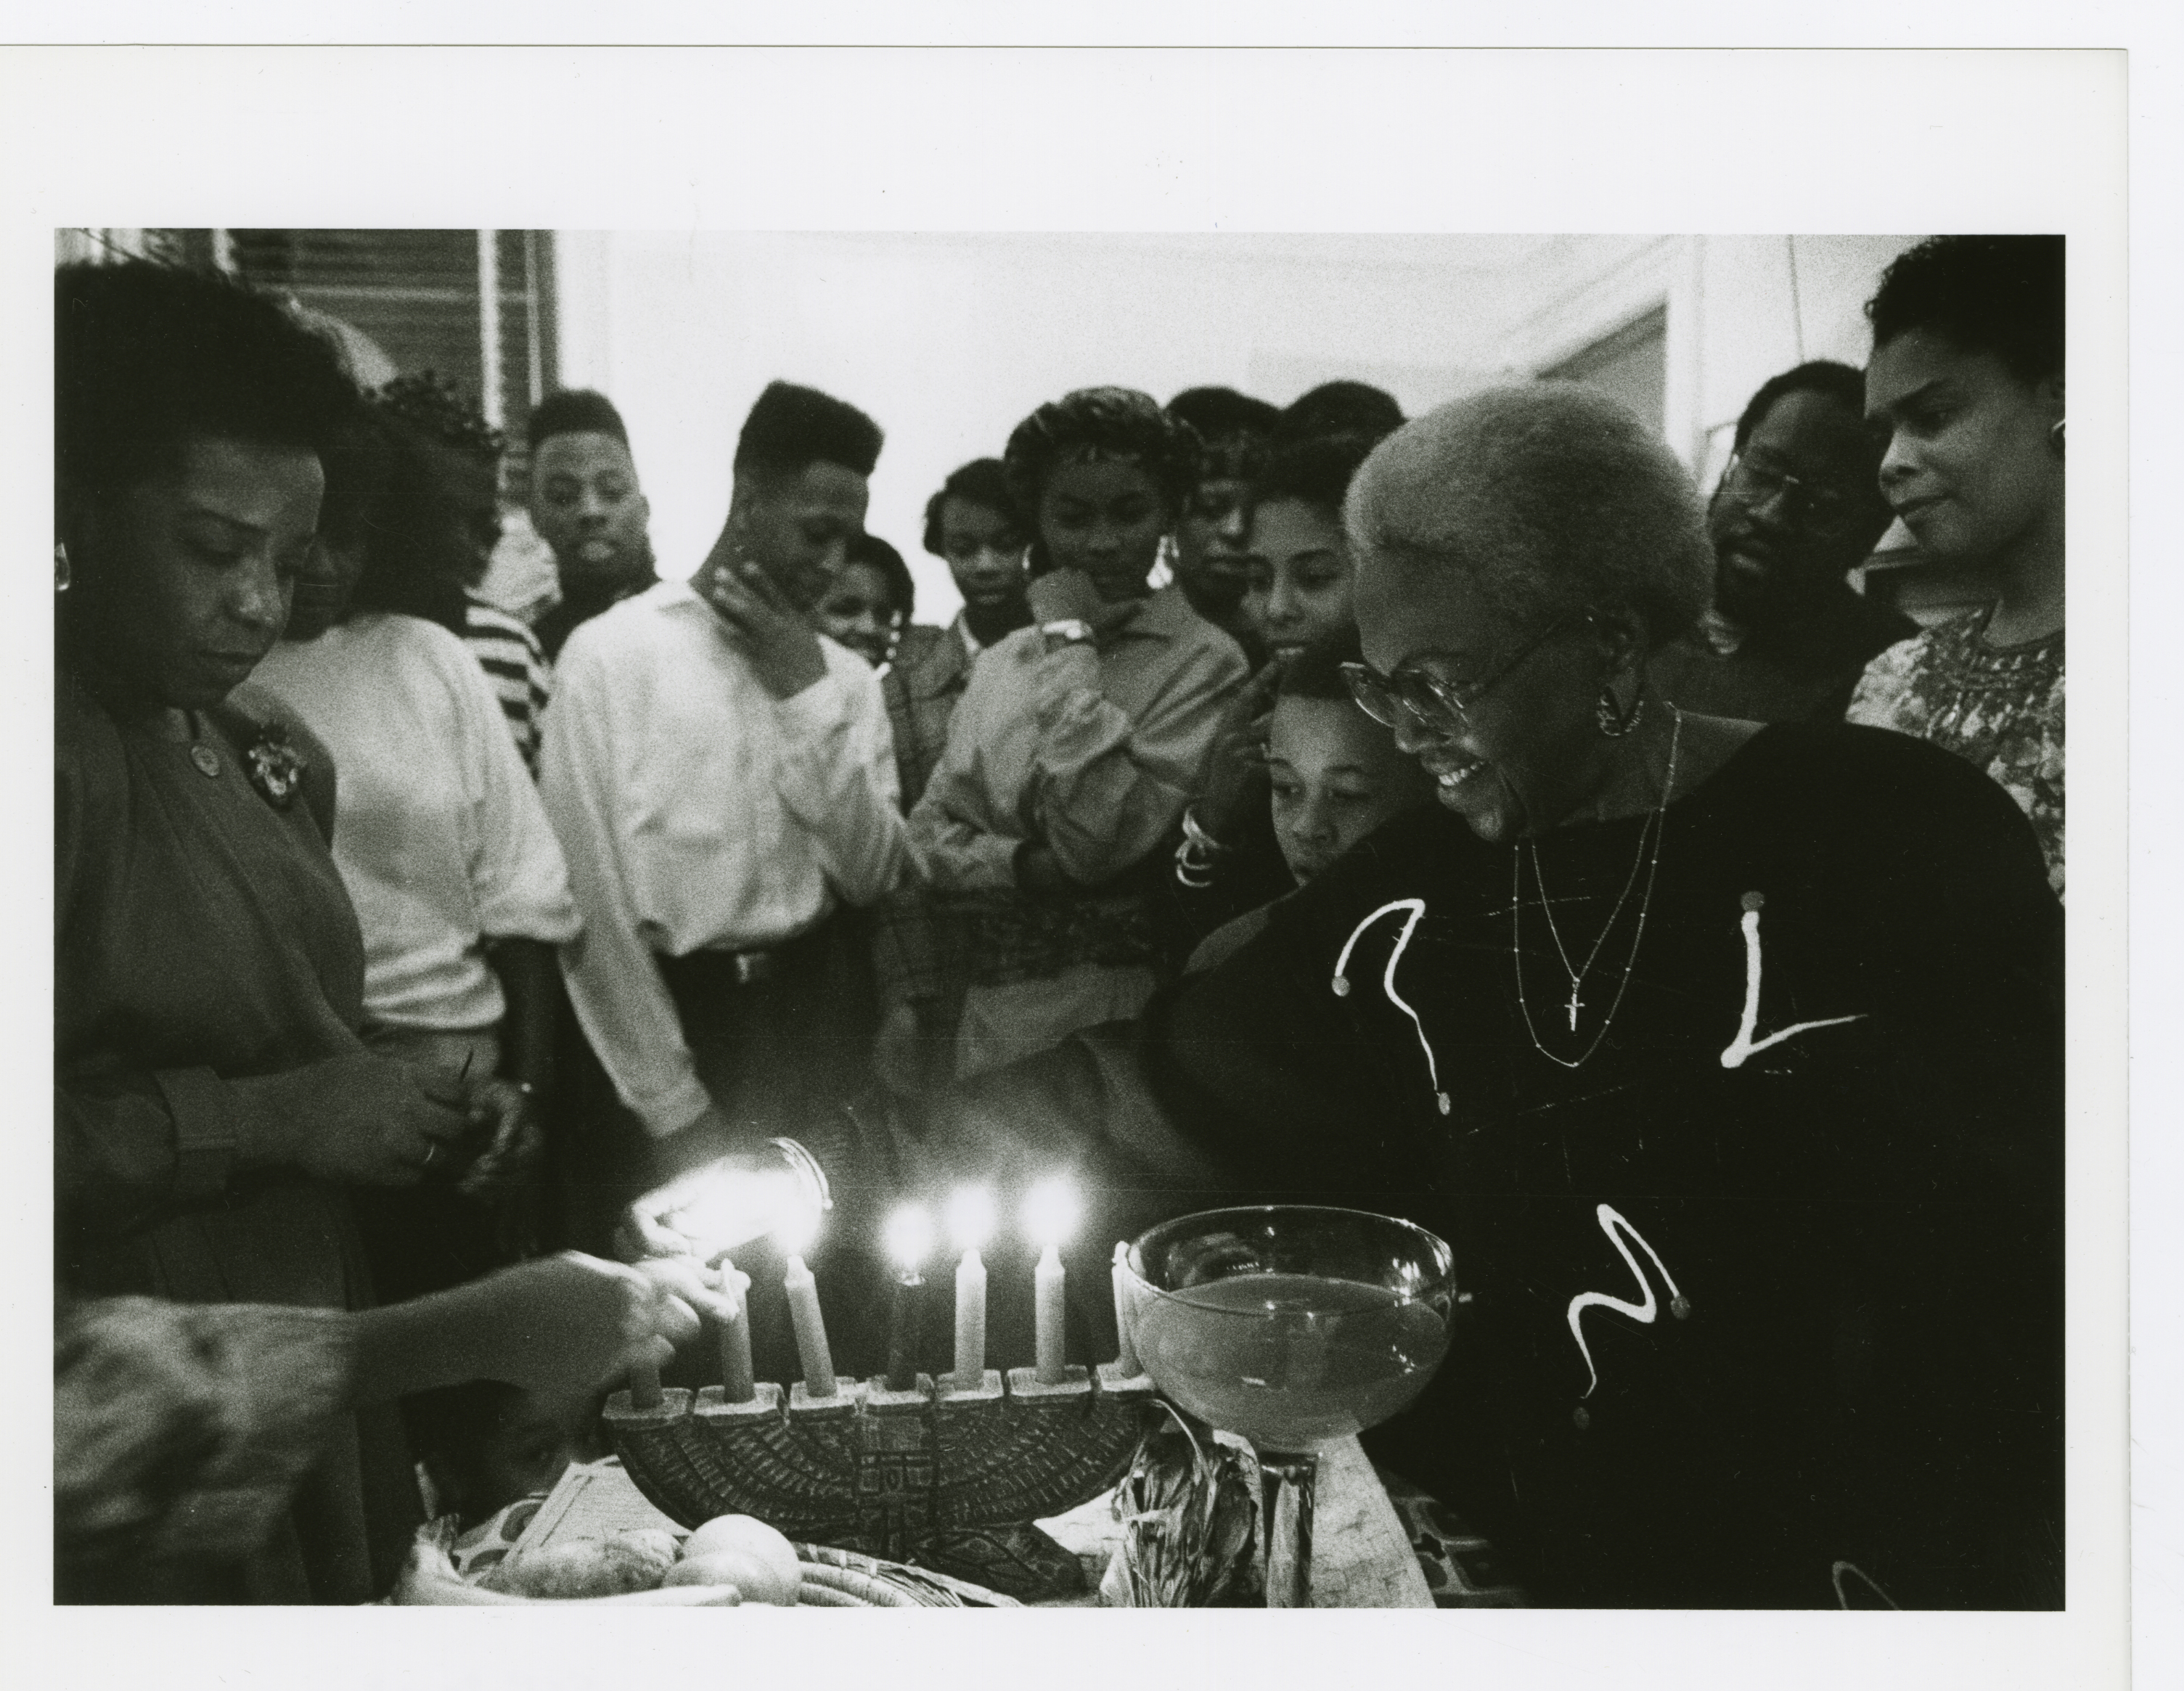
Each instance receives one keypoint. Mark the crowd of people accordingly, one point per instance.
(413, 961)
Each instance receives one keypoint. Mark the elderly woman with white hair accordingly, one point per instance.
(1728, 1058)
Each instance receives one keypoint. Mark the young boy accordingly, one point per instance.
(1336, 775)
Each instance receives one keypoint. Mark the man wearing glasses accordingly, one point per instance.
(1798, 508)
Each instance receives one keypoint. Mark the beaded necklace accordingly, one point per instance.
(1656, 825)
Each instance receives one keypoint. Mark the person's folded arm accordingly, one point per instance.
(129, 1145)
(1106, 789)
(958, 849)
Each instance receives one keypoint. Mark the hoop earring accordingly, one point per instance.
(1612, 720)
(62, 574)
(2055, 438)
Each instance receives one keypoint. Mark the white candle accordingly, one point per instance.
(1046, 1309)
(1050, 1214)
(971, 1218)
(736, 1383)
(803, 1292)
(970, 1322)
(1127, 1364)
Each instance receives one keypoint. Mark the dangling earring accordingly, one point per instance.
(62, 576)
(1164, 563)
(1613, 721)
(2055, 438)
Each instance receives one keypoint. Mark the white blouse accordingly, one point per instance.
(438, 833)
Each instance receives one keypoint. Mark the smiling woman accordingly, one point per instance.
(1967, 375)
(1718, 1006)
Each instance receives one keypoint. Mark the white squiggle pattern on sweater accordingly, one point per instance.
(1610, 1221)
(1417, 907)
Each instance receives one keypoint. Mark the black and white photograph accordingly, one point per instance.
(1129, 903)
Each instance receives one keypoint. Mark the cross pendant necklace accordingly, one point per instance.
(1576, 1003)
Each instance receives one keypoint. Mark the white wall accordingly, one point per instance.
(950, 340)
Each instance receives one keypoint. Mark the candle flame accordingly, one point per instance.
(723, 1208)
(971, 1217)
(909, 1237)
(796, 1231)
(1051, 1211)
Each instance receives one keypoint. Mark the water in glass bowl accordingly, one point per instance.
(1290, 1362)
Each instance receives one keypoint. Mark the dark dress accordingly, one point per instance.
(202, 935)
(1759, 1312)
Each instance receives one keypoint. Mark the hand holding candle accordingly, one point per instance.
(1050, 1216)
(971, 1221)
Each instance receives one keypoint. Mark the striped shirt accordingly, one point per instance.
(515, 664)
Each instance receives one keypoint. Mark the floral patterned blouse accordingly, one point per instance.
(182, 1431)
(2000, 708)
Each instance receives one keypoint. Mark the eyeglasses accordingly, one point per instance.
(1427, 699)
(1756, 484)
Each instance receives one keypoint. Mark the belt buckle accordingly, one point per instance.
(753, 967)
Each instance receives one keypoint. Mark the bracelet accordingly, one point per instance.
(1196, 857)
(1189, 873)
(809, 1174)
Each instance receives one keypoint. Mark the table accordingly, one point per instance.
(1360, 1559)
(1377, 1542)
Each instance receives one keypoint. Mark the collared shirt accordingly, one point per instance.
(1093, 752)
(697, 812)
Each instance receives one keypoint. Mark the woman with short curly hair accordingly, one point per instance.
(1728, 1058)
(1079, 739)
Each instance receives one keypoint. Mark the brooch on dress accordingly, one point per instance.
(276, 767)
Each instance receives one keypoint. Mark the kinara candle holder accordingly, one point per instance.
(945, 1475)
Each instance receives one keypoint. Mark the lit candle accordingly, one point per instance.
(1127, 1364)
(1050, 1216)
(909, 1238)
(971, 1219)
(803, 1292)
(736, 1384)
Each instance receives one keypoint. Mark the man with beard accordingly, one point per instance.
(1235, 430)
(723, 785)
(586, 505)
(1798, 508)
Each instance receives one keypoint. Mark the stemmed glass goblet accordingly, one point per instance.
(1292, 1325)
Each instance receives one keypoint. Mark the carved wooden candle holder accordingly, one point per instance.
(943, 1476)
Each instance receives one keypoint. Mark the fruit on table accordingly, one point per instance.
(749, 1536)
(604, 1567)
(753, 1578)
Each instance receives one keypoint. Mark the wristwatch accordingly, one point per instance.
(1069, 631)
